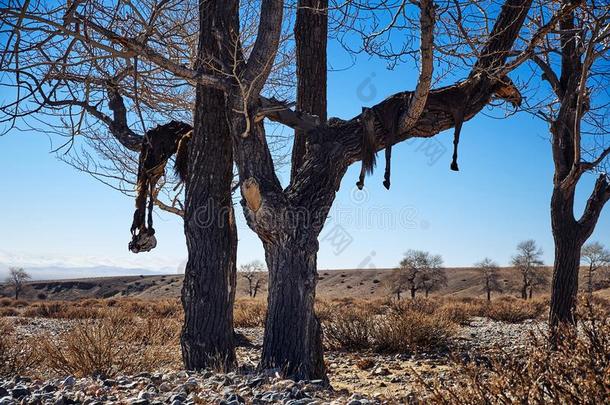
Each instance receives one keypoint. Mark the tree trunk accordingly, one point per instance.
(524, 288)
(211, 237)
(488, 295)
(590, 280)
(565, 280)
(531, 292)
(208, 292)
(311, 36)
(293, 335)
(427, 293)
(568, 243)
(413, 290)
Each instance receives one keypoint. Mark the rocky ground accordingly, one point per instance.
(356, 378)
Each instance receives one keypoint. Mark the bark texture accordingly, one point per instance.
(293, 338)
(209, 224)
(311, 36)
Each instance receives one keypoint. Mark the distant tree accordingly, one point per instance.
(489, 276)
(419, 270)
(17, 278)
(433, 276)
(253, 273)
(539, 279)
(597, 257)
(528, 262)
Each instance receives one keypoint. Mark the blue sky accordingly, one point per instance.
(52, 214)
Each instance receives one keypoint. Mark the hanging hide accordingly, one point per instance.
(159, 144)
(385, 116)
(503, 89)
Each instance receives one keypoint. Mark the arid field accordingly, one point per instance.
(59, 346)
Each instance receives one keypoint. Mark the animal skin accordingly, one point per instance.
(159, 144)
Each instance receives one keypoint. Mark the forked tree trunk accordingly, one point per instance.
(293, 335)
(209, 224)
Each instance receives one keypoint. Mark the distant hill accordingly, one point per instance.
(62, 273)
(363, 283)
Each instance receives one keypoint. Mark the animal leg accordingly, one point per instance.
(458, 117)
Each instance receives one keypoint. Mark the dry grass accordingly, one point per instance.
(407, 326)
(249, 312)
(99, 308)
(513, 310)
(578, 372)
(17, 356)
(113, 344)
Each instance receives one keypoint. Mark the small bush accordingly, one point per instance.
(16, 356)
(349, 329)
(512, 310)
(400, 328)
(115, 344)
(249, 313)
(6, 302)
(8, 311)
(461, 312)
(412, 331)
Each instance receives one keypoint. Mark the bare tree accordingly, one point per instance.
(489, 276)
(528, 262)
(572, 59)
(292, 338)
(434, 276)
(253, 273)
(596, 257)
(17, 278)
(420, 270)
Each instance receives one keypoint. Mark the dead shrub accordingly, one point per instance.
(409, 330)
(460, 312)
(8, 311)
(6, 302)
(115, 344)
(16, 355)
(349, 329)
(61, 310)
(512, 310)
(578, 372)
(400, 328)
(249, 313)
(10, 302)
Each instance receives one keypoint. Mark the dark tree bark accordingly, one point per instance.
(209, 224)
(568, 244)
(293, 343)
(311, 36)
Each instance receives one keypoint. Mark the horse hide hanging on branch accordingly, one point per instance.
(159, 144)
(379, 119)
